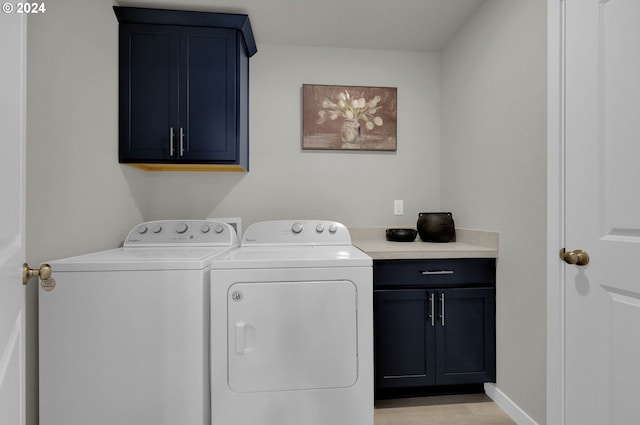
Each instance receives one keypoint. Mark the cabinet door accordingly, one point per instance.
(208, 67)
(403, 338)
(465, 334)
(148, 91)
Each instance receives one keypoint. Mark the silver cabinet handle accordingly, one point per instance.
(442, 308)
(171, 137)
(433, 309)
(430, 272)
(181, 141)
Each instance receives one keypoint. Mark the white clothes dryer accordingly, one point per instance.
(292, 328)
(124, 333)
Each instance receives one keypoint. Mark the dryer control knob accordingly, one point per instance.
(142, 230)
(320, 228)
(218, 229)
(296, 227)
(181, 228)
(156, 229)
(333, 228)
(205, 228)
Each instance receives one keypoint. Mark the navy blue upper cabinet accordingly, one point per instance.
(184, 95)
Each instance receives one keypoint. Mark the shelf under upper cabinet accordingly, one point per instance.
(188, 167)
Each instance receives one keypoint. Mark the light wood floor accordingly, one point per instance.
(468, 409)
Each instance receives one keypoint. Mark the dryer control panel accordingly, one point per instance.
(296, 232)
(182, 233)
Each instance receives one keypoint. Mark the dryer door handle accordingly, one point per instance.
(245, 338)
(240, 338)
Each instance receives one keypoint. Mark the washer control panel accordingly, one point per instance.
(182, 233)
(296, 232)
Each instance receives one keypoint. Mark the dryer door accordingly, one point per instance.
(292, 335)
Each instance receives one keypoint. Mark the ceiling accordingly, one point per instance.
(420, 25)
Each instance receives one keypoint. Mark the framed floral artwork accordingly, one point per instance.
(349, 117)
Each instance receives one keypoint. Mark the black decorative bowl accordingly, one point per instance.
(401, 235)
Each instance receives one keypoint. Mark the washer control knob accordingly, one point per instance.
(296, 228)
(181, 228)
(333, 228)
(219, 228)
(320, 228)
(156, 228)
(142, 230)
(205, 228)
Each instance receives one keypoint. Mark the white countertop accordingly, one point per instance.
(469, 243)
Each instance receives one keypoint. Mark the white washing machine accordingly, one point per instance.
(124, 333)
(292, 328)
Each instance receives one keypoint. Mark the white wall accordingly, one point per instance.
(80, 199)
(493, 162)
(356, 188)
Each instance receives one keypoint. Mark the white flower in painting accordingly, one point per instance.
(353, 108)
(359, 103)
(327, 104)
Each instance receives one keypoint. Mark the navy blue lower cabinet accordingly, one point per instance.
(465, 336)
(430, 336)
(404, 338)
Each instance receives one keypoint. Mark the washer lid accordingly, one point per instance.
(125, 259)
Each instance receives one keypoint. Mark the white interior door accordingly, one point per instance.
(602, 212)
(12, 216)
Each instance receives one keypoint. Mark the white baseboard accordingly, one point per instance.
(506, 404)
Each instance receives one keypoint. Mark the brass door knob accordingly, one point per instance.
(44, 272)
(577, 257)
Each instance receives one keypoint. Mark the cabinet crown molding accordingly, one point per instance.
(239, 22)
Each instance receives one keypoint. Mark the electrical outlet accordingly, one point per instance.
(235, 222)
(398, 207)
